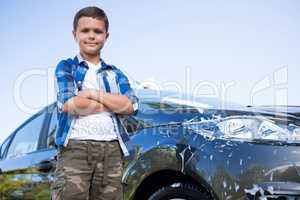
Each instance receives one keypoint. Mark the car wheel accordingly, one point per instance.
(179, 191)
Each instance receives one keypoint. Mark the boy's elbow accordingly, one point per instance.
(129, 110)
(65, 107)
(68, 104)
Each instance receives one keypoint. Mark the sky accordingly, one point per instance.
(241, 51)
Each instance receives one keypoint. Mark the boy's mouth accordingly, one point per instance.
(91, 44)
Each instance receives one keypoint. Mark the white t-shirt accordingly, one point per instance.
(99, 126)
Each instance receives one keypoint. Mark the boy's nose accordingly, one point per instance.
(91, 35)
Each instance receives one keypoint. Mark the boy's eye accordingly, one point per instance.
(85, 30)
(98, 31)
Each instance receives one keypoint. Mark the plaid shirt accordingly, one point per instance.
(69, 76)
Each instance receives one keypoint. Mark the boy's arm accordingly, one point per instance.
(78, 105)
(116, 103)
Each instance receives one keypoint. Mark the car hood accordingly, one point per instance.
(288, 110)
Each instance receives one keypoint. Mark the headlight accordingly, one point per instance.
(296, 134)
(249, 128)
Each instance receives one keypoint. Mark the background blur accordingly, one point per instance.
(242, 51)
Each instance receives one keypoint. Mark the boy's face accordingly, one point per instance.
(90, 35)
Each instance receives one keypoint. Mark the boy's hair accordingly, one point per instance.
(91, 11)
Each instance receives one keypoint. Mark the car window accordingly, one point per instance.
(132, 124)
(52, 129)
(149, 108)
(27, 137)
(4, 145)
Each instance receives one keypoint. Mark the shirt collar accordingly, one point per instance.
(80, 61)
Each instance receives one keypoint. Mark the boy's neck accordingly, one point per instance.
(95, 59)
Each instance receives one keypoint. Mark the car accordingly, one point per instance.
(181, 147)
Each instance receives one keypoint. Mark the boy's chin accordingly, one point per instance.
(92, 52)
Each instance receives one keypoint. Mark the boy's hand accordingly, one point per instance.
(91, 94)
(100, 108)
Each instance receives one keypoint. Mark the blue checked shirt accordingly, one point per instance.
(69, 75)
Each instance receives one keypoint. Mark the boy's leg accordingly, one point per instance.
(73, 173)
(106, 184)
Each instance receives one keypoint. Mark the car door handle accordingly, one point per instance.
(45, 166)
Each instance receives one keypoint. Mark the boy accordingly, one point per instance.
(90, 94)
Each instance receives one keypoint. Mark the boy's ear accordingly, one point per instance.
(74, 35)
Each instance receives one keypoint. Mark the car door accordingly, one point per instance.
(43, 163)
(16, 161)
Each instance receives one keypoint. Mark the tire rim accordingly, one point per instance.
(177, 199)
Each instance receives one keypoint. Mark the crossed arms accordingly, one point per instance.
(91, 101)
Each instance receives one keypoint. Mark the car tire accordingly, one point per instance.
(179, 191)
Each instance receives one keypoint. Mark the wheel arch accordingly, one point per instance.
(166, 177)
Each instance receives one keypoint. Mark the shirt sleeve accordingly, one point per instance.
(65, 87)
(126, 89)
